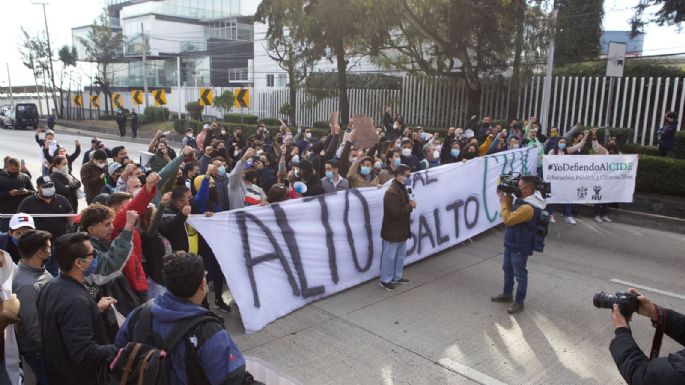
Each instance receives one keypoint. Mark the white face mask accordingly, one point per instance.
(48, 192)
(223, 132)
(63, 168)
(406, 151)
(436, 154)
(102, 165)
(296, 159)
(190, 134)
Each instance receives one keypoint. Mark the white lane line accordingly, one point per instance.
(470, 373)
(637, 286)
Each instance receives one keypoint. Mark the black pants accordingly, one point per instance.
(134, 130)
(214, 272)
(122, 129)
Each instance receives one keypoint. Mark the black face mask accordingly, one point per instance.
(470, 155)
(13, 174)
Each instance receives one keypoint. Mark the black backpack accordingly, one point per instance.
(144, 360)
(541, 228)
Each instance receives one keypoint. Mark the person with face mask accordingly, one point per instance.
(667, 133)
(333, 181)
(601, 210)
(188, 139)
(470, 152)
(520, 221)
(561, 149)
(407, 156)
(432, 158)
(67, 312)
(160, 159)
(398, 203)
(361, 174)
(65, 183)
(552, 140)
(92, 175)
(29, 280)
(14, 187)
(19, 224)
(50, 158)
(47, 201)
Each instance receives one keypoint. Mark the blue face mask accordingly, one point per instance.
(423, 136)
(562, 146)
(221, 170)
(365, 170)
(407, 182)
(455, 153)
(398, 161)
(329, 175)
(15, 240)
(91, 269)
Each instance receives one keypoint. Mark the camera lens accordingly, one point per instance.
(603, 300)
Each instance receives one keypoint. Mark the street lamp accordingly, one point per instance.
(47, 35)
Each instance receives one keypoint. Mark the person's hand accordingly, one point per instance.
(283, 147)
(186, 210)
(473, 117)
(618, 319)
(503, 198)
(647, 307)
(209, 214)
(208, 151)
(451, 130)
(77, 143)
(15, 192)
(158, 133)
(412, 203)
(166, 199)
(249, 153)
(164, 151)
(48, 143)
(491, 136)
(151, 181)
(105, 302)
(594, 131)
(130, 169)
(586, 132)
(211, 169)
(131, 219)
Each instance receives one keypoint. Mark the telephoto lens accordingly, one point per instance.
(604, 300)
(627, 302)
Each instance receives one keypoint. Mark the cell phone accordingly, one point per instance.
(23, 164)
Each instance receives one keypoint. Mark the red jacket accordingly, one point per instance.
(133, 271)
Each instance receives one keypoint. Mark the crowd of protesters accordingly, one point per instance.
(116, 235)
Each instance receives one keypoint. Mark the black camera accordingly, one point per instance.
(627, 302)
(509, 184)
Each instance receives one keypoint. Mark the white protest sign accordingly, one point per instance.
(590, 178)
(280, 257)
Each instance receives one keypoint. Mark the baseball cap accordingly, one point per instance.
(21, 220)
(43, 180)
(113, 168)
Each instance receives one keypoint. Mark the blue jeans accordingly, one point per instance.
(35, 361)
(601, 210)
(515, 266)
(568, 209)
(392, 261)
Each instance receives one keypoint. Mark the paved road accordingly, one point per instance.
(442, 328)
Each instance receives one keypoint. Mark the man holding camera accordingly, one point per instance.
(520, 220)
(632, 363)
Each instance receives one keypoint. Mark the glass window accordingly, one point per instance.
(269, 80)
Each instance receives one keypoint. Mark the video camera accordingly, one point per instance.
(509, 184)
(627, 302)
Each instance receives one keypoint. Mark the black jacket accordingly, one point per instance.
(637, 369)
(396, 213)
(9, 204)
(70, 158)
(173, 228)
(75, 349)
(66, 189)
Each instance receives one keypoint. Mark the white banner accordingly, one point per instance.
(280, 257)
(590, 178)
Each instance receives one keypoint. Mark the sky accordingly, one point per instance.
(63, 15)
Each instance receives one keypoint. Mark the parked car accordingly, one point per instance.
(22, 115)
(4, 114)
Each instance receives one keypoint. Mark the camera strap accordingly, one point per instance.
(660, 325)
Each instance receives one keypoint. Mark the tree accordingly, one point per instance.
(68, 57)
(224, 102)
(103, 46)
(579, 30)
(324, 29)
(671, 12)
(34, 55)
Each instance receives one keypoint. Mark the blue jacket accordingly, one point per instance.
(217, 353)
(519, 238)
(667, 135)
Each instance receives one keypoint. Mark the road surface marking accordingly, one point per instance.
(635, 285)
(470, 373)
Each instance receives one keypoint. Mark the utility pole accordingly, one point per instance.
(547, 85)
(142, 36)
(9, 81)
(178, 83)
(47, 35)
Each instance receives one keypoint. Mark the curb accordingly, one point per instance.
(111, 137)
(637, 218)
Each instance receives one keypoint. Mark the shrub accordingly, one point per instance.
(180, 126)
(241, 118)
(321, 125)
(679, 150)
(270, 122)
(660, 175)
(107, 117)
(194, 109)
(623, 135)
(632, 148)
(285, 109)
(156, 114)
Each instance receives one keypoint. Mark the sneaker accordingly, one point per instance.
(551, 219)
(223, 306)
(502, 298)
(598, 219)
(570, 221)
(515, 308)
(606, 219)
(400, 281)
(387, 286)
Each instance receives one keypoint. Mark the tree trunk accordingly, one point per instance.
(473, 95)
(515, 80)
(292, 88)
(339, 49)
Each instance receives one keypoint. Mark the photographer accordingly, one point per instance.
(520, 220)
(632, 363)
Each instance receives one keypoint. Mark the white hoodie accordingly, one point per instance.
(536, 200)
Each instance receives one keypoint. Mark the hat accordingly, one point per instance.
(468, 134)
(306, 165)
(21, 220)
(43, 180)
(113, 168)
(101, 199)
(94, 140)
(206, 126)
